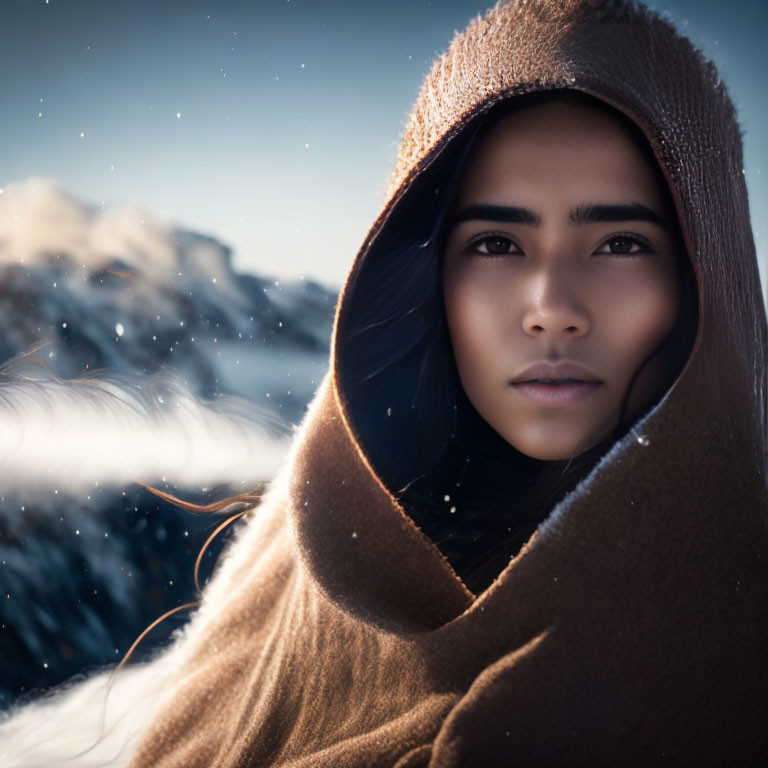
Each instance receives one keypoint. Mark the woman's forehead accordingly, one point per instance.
(560, 152)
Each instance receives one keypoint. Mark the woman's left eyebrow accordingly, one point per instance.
(512, 214)
(616, 214)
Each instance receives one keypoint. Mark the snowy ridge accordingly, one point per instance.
(130, 352)
(121, 290)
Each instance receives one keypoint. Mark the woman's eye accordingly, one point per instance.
(623, 245)
(494, 245)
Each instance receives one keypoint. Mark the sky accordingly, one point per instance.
(271, 125)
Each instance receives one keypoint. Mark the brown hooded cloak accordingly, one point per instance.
(632, 629)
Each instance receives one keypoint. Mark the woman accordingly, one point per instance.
(524, 521)
(479, 457)
(562, 560)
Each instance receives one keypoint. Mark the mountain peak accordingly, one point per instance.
(40, 221)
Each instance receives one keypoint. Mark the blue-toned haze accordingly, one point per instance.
(271, 124)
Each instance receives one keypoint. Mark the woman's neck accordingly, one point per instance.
(486, 499)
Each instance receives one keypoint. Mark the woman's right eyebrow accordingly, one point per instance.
(512, 214)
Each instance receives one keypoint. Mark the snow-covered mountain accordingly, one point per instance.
(130, 351)
(121, 290)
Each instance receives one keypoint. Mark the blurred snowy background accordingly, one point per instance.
(183, 186)
(134, 352)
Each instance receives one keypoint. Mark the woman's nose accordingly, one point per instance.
(553, 307)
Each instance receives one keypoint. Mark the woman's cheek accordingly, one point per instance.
(640, 308)
(642, 320)
(472, 322)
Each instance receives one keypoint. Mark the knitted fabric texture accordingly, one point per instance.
(632, 627)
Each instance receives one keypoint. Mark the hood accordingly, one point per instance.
(631, 627)
(685, 486)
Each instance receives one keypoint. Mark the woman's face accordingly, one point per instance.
(560, 277)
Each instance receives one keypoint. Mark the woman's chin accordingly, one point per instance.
(547, 453)
(546, 446)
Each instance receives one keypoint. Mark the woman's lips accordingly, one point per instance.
(547, 383)
(567, 392)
